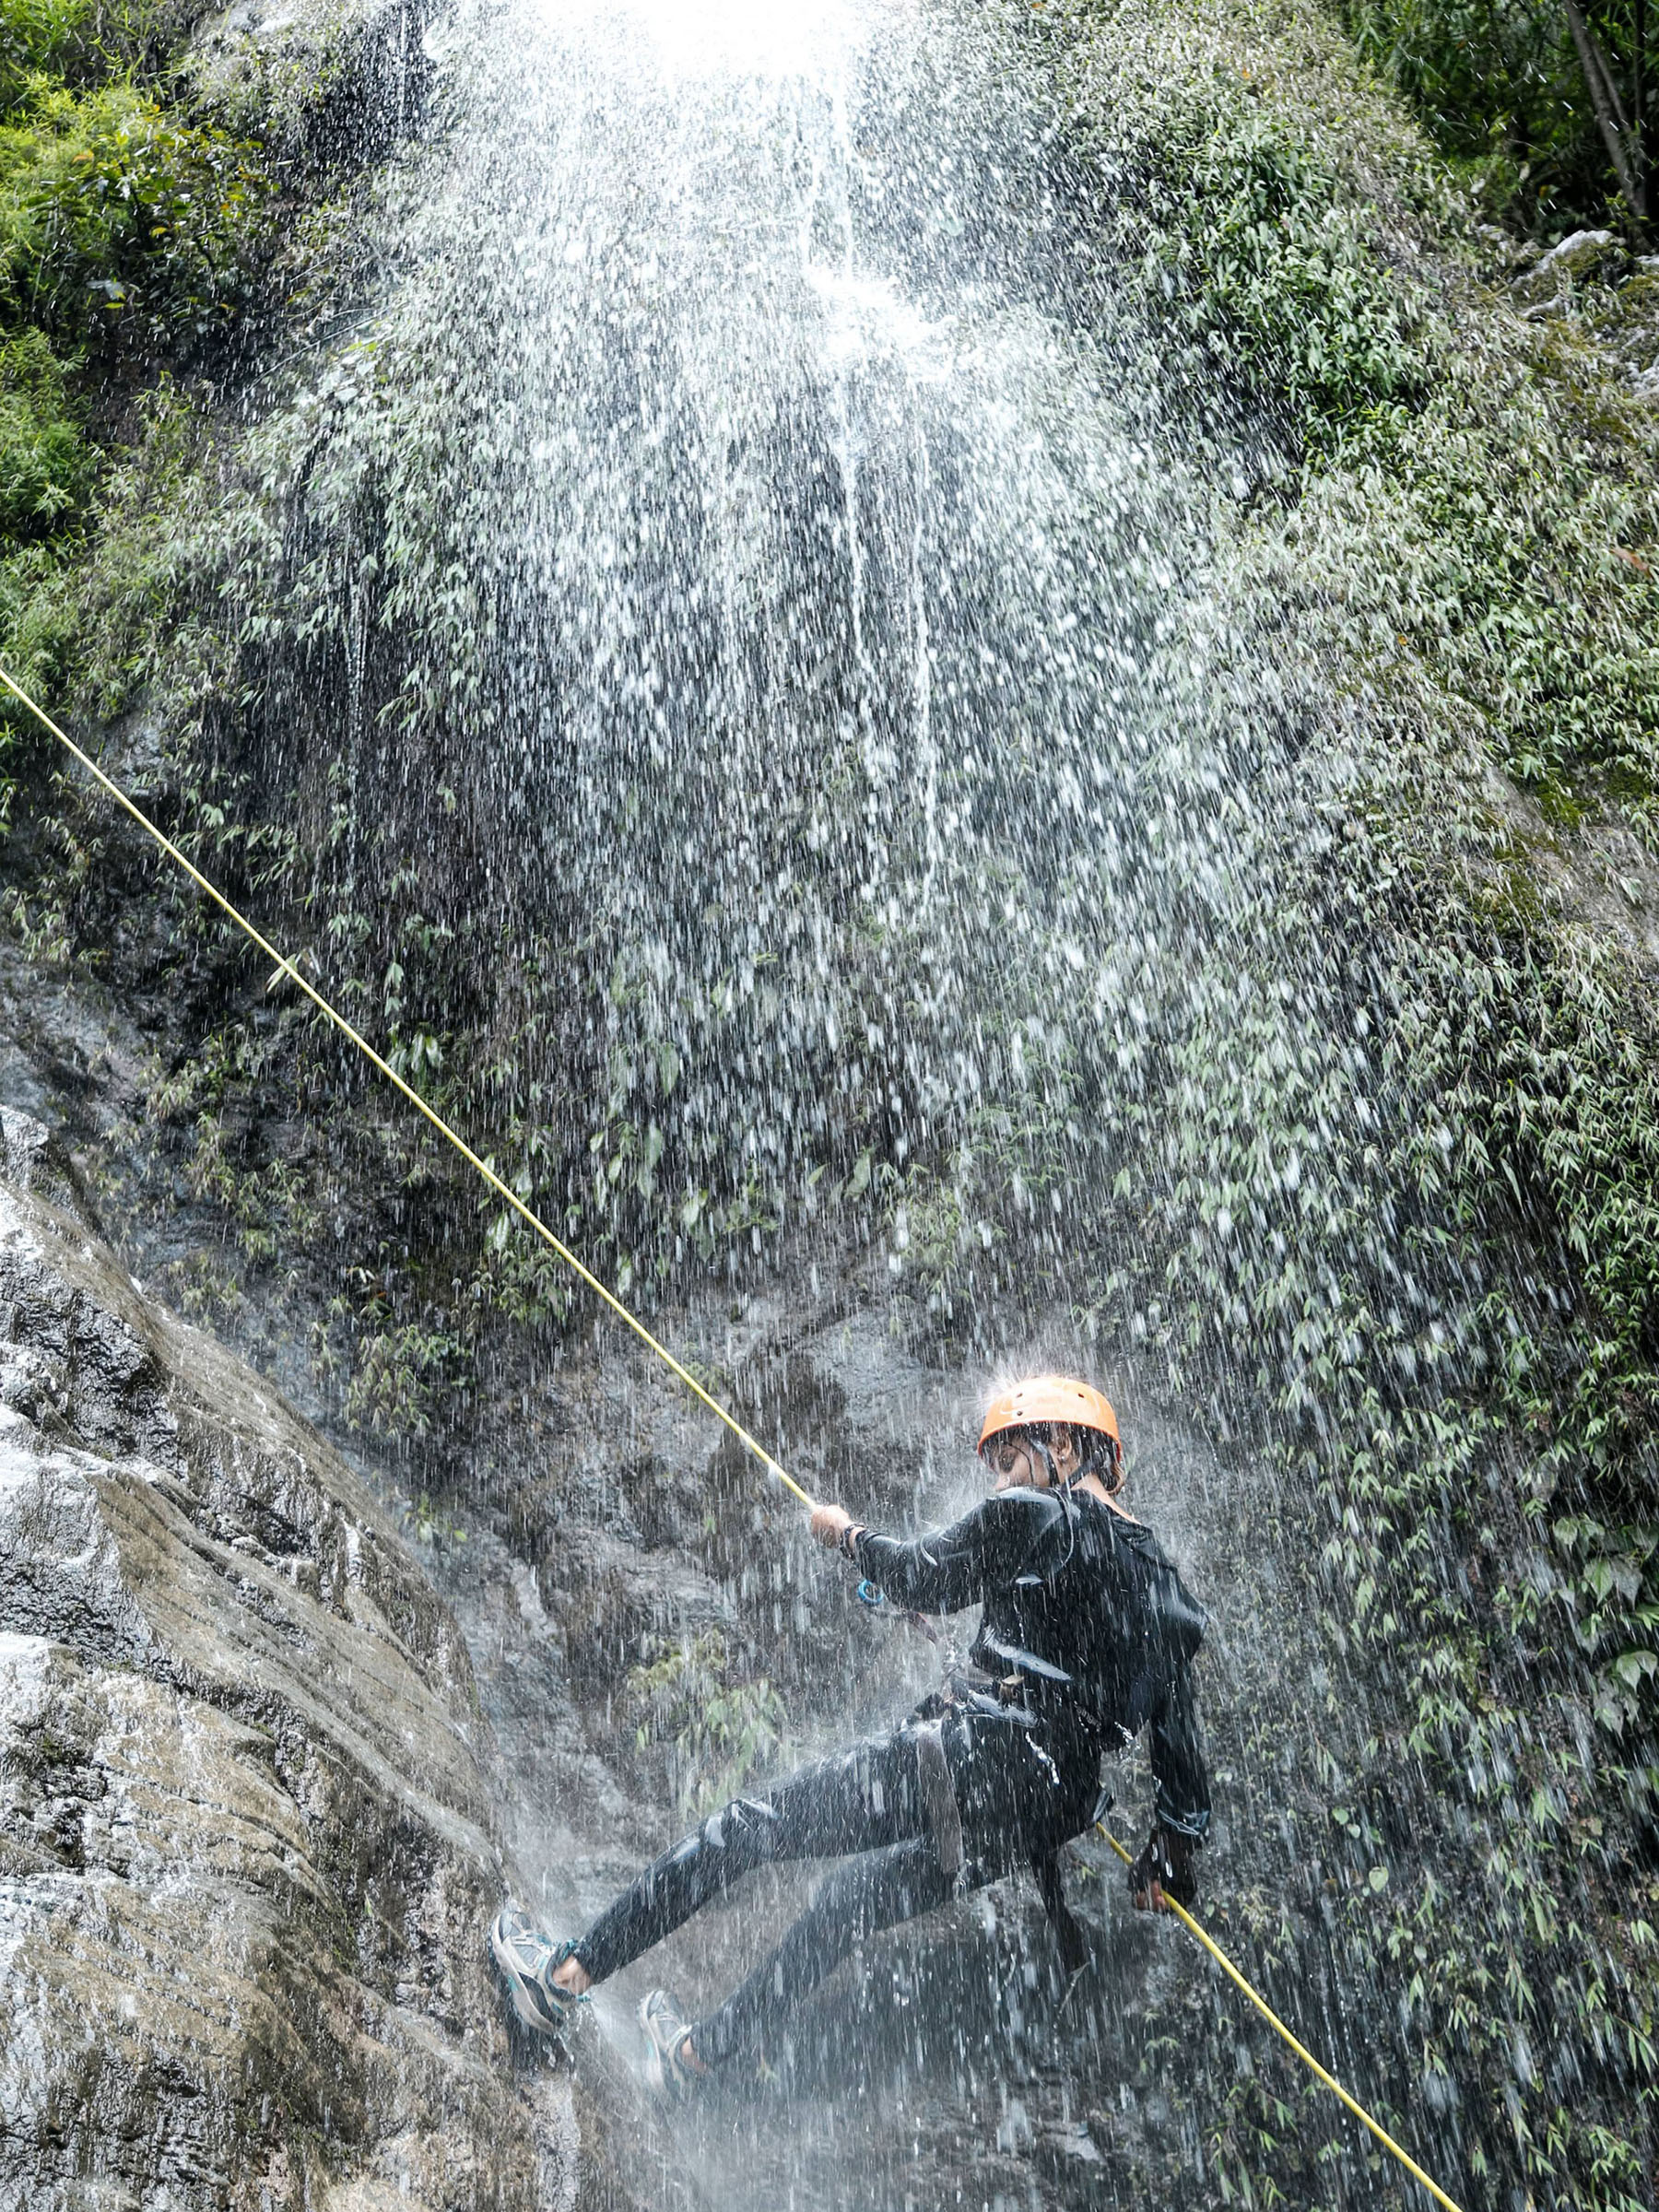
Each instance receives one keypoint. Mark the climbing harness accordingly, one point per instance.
(939, 1806)
(1087, 1414)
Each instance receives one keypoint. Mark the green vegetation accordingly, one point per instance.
(120, 225)
(45, 467)
(1502, 90)
(79, 42)
(1469, 548)
(1475, 494)
(128, 229)
(1268, 272)
(714, 1731)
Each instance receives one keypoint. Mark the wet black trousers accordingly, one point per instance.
(864, 1804)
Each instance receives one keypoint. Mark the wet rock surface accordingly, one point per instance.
(246, 1840)
(323, 81)
(391, 1700)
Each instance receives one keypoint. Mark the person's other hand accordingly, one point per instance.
(830, 1525)
(1163, 1873)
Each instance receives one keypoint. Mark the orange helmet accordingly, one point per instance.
(1051, 1398)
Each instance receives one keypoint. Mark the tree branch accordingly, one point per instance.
(1609, 112)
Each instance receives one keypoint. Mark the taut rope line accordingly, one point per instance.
(413, 1097)
(1301, 2051)
(610, 1299)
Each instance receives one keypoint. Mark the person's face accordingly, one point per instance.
(1017, 1467)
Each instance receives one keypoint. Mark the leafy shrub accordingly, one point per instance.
(717, 1731)
(400, 1373)
(1281, 278)
(1499, 86)
(1254, 237)
(120, 223)
(38, 631)
(45, 474)
(1514, 556)
(80, 41)
(151, 510)
(45, 466)
(1479, 494)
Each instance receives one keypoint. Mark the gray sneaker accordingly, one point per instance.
(666, 2032)
(526, 1958)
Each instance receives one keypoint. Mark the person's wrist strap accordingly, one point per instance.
(849, 1539)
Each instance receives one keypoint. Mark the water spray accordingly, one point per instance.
(869, 1594)
(286, 967)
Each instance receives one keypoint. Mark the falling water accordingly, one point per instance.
(767, 560)
(768, 604)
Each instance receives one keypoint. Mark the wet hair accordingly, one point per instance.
(1096, 1452)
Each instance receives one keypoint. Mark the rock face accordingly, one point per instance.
(245, 1845)
(1577, 258)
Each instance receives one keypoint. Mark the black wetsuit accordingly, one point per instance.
(1087, 1636)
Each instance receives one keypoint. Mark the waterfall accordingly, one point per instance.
(755, 601)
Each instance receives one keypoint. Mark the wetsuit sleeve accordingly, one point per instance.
(1177, 1749)
(950, 1568)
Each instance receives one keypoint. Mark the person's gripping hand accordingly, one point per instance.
(1163, 1873)
(830, 1525)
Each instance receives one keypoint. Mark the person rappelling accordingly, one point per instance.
(1087, 1636)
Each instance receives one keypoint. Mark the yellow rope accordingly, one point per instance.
(1301, 2051)
(645, 1336)
(414, 1098)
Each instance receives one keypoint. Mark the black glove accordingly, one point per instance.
(1165, 1859)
